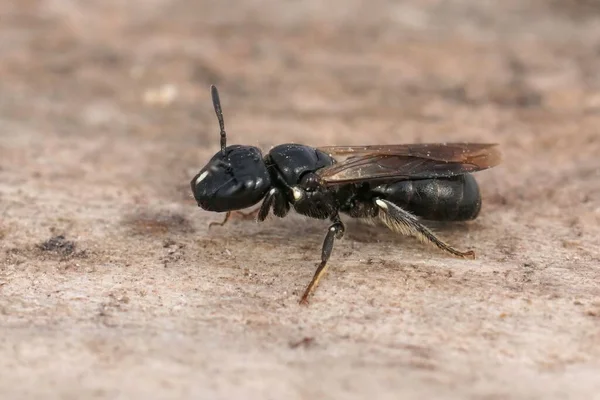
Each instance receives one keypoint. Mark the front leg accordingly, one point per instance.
(273, 199)
(243, 216)
(277, 201)
(336, 231)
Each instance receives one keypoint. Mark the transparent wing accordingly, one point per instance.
(411, 161)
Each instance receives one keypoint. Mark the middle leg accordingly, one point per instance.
(336, 231)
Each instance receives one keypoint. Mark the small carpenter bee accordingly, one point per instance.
(395, 184)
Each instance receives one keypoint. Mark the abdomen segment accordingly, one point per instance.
(443, 199)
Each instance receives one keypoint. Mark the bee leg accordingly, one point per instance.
(403, 222)
(277, 201)
(336, 231)
(229, 214)
(247, 215)
(273, 199)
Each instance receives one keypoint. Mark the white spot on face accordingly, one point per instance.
(332, 229)
(272, 191)
(201, 177)
(298, 193)
(381, 204)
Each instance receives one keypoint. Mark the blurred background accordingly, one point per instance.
(110, 282)
(111, 75)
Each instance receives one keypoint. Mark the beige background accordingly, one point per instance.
(105, 116)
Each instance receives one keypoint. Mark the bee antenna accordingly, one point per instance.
(217, 105)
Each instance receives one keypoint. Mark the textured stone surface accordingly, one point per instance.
(105, 115)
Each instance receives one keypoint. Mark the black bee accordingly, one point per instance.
(396, 184)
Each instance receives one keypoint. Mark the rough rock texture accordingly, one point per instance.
(111, 286)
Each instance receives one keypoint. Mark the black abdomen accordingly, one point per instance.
(442, 199)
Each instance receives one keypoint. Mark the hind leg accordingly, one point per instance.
(405, 223)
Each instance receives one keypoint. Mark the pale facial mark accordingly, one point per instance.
(201, 177)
